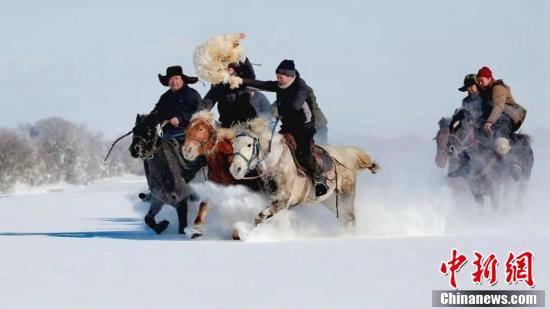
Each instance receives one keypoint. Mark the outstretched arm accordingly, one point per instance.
(267, 85)
(210, 99)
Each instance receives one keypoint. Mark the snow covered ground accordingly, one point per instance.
(87, 247)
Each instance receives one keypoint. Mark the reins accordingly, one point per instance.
(114, 143)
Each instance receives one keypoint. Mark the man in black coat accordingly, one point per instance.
(294, 106)
(234, 105)
(177, 104)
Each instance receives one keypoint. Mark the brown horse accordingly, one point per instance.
(216, 144)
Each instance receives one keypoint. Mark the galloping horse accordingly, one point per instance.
(255, 147)
(466, 148)
(165, 171)
(204, 138)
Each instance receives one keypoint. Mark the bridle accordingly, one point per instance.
(202, 142)
(255, 151)
(256, 156)
(150, 154)
(465, 143)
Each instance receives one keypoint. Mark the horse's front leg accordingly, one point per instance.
(155, 208)
(267, 213)
(198, 224)
(181, 208)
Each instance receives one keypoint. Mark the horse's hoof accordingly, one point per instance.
(235, 234)
(196, 235)
(150, 221)
(161, 227)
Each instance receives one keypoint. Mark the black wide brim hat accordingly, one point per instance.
(175, 71)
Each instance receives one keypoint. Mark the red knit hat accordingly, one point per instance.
(485, 72)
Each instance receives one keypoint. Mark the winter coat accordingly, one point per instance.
(181, 104)
(320, 119)
(474, 104)
(233, 104)
(294, 104)
(501, 101)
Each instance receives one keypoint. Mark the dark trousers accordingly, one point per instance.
(504, 126)
(304, 142)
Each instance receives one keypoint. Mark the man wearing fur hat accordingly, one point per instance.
(506, 115)
(295, 109)
(177, 104)
(234, 105)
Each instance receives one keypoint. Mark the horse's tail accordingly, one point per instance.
(526, 138)
(364, 160)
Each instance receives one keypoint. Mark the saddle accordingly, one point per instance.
(321, 156)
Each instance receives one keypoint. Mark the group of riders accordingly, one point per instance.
(296, 107)
(495, 112)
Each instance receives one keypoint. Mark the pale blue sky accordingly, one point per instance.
(378, 67)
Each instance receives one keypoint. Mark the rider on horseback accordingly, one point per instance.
(473, 103)
(294, 107)
(234, 105)
(177, 105)
(506, 115)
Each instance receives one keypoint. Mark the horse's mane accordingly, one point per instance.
(444, 122)
(206, 116)
(257, 127)
(225, 134)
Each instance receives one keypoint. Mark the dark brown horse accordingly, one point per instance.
(470, 154)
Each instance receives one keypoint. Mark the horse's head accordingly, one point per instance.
(441, 139)
(200, 135)
(144, 137)
(249, 147)
(461, 133)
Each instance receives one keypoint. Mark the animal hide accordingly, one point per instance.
(212, 58)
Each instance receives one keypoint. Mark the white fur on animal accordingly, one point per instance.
(212, 58)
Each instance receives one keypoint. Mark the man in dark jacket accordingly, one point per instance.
(295, 109)
(177, 104)
(233, 104)
(473, 102)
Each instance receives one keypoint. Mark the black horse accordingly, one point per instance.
(485, 171)
(166, 171)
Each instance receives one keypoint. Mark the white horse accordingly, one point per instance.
(256, 148)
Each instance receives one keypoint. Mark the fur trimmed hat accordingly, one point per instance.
(175, 71)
